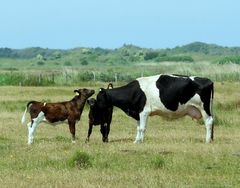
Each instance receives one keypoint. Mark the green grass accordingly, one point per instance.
(173, 154)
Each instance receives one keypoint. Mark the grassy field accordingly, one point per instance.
(173, 155)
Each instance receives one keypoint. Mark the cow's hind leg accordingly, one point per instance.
(138, 133)
(208, 121)
(141, 127)
(32, 126)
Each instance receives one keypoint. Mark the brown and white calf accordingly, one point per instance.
(55, 113)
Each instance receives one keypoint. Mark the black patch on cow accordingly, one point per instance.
(175, 90)
(205, 91)
(130, 98)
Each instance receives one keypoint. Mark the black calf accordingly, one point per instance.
(98, 117)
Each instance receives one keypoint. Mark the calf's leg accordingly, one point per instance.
(103, 130)
(32, 126)
(71, 124)
(89, 132)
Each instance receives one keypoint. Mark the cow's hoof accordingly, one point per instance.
(208, 141)
(73, 142)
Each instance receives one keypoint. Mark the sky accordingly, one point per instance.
(66, 24)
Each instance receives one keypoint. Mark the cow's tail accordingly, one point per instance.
(24, 114)
(211, 109)
(212, 95)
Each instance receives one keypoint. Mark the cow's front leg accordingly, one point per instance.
(71, 124)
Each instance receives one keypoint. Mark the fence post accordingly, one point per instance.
(53, 78)
(40, 79)
(94, 76)
(116, 79)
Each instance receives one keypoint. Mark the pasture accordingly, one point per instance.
(173, 154)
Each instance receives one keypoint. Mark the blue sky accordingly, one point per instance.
(111, 23)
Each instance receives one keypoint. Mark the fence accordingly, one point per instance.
(75, 78)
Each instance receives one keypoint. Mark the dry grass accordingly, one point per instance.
(173, 154)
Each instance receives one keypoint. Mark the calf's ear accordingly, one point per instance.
(77, 92)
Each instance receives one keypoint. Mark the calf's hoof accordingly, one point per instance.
(105, 140)
(137, 142)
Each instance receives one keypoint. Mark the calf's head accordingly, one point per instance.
(84, 93)
(91, 102)
(110, 86)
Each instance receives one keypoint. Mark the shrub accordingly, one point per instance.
(230, 59)
(158, 162)
(67, 63)
(150, 55)
(84, 62)
(80, 160)
(175, 58)
(40, 63)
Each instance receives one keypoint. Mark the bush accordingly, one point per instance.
(150, 55)
(175, 59)
(158, 162)
(67, 63)
(230, 59)
(40, 63)
(84, 62)
(80, 160)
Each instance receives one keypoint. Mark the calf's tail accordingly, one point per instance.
(24, 114)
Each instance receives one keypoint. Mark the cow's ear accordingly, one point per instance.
(101, 89)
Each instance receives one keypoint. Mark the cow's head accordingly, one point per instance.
(86, 93)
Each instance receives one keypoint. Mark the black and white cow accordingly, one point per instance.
(171, 96)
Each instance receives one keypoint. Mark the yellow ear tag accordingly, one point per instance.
(76, 94)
